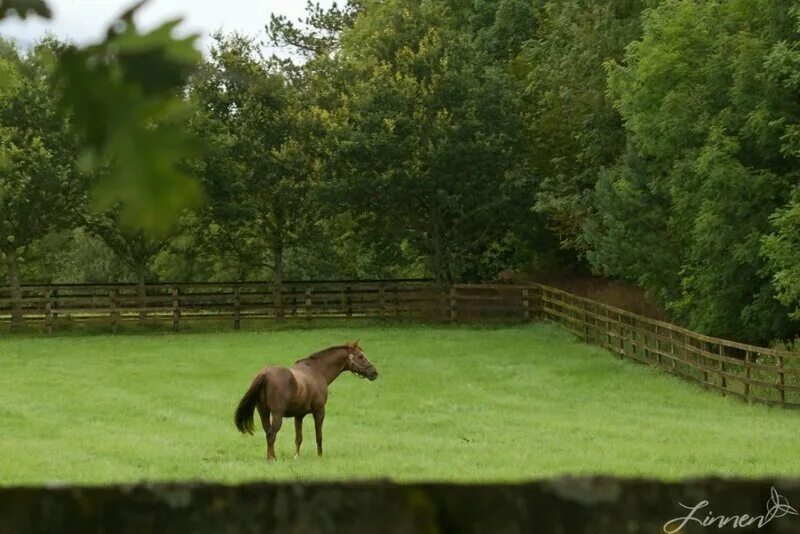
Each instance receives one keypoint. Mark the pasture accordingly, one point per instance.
(454, 403)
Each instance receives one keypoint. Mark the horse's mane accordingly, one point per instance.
(322, 352)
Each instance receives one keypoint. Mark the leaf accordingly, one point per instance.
(125, 95)
(24, 8)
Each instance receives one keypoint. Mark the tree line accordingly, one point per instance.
(656, 141)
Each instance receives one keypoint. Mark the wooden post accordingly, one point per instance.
(453, 305)
(621, 336)
(608, 328)
(526, 306)
(237, 307)
(672, 349)
(48, 310)
(176, 309)
(113, 297)
(585, 321)
(658, 346)
(277, 300)
(723, 381)
(349, 301)
(747, 376)
(781, 380)
(55, 305)
(701, 360)
(381, 304)
(308, 303)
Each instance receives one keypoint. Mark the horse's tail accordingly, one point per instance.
(244, 412)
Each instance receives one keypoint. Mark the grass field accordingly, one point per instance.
(452, 403)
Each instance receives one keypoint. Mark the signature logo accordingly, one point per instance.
(777, 507)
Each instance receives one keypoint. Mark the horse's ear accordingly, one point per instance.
(354, 344)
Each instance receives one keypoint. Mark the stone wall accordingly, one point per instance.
(568, 506)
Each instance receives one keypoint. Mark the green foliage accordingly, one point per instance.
(709, 122)
(656, 141)
(575, 133)
(39, 185)
(262, 167)
(316, 35)
(427, 137)
(124, 95)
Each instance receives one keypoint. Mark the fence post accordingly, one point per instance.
(585, 321)
(722, 366)
(237, 307)
(702, 361)
(113, 297)
(453, 305)
(658, 346)
(747, 376)
(781, 380)
(176, 309)
(526, 306)
(349, 301)
(48, 307)
(672, 349)
(55, 305)
(308, 303)
(381, 304)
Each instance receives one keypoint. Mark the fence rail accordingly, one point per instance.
(754, 374)
(54, 306)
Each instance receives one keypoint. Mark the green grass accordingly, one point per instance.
(452, 403)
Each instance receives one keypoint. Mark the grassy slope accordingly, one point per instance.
(452, 403)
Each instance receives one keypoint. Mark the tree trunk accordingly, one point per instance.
(142, 290)
(277, 284)
(16, 288)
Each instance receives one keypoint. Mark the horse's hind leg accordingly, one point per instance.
(277, 421)
(298, 434)
(264, 414)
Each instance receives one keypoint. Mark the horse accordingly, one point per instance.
(279, 392)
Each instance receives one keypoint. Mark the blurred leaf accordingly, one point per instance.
(24, 8)
(126, 96)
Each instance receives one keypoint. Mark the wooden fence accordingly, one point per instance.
(54, 306)
(755, 374)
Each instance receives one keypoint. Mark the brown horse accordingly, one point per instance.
(298, 391)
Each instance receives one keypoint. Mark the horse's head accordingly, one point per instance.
(358, 363)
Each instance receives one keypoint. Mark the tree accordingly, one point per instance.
(261, 203)
(575, 132)
(782, 245)
(39, 184)
(427, 140)
(709, 125)
(318, 35)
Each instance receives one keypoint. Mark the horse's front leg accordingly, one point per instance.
(298, 434)
(319, 417)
